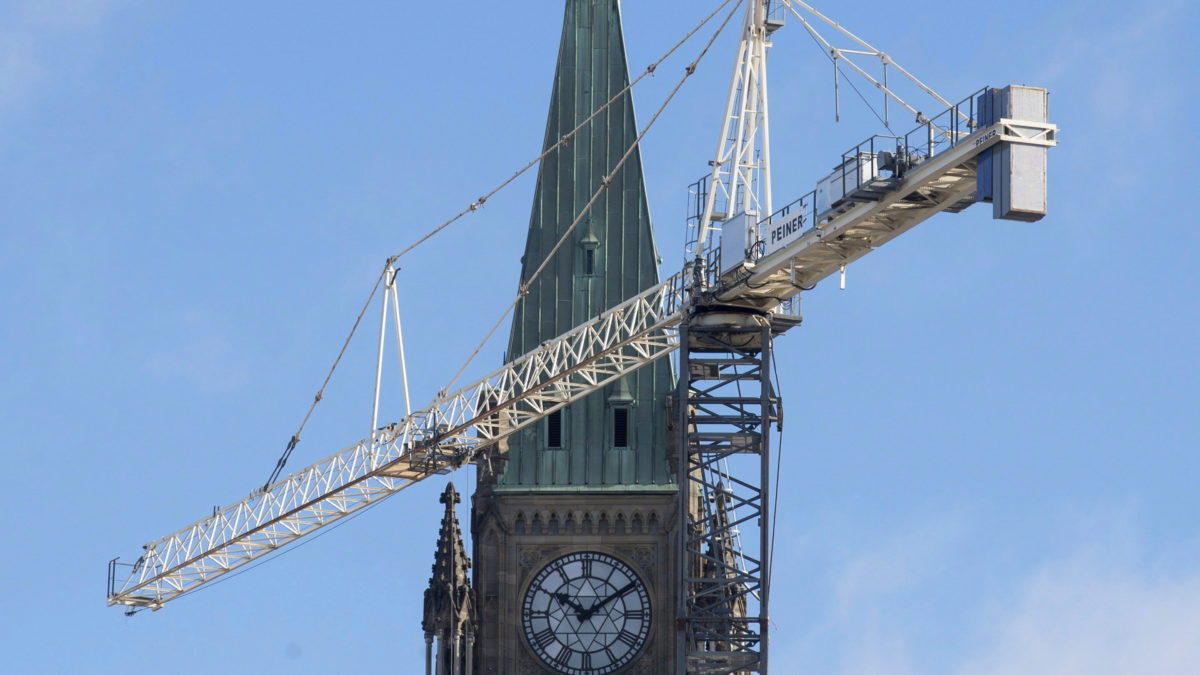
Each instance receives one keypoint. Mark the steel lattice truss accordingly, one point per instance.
(441, 437)
(728, 408)
(453, 430)
(740, 181)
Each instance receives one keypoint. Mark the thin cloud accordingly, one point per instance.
(30, 30)
(201, 354)
(904, 560)
(1087, 616)
(1106, 604)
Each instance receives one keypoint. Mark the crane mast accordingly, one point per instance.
(725, 404)
(734, 293)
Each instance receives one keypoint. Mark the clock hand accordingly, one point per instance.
(587, 614)
(566, 600)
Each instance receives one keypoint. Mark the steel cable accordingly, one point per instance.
(605, 182)
(295, 439)
(566, 138)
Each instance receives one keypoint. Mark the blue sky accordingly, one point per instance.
(990, 456)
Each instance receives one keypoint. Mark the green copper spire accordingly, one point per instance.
(615, 438)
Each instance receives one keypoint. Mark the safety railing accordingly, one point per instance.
(946, 129)
(698, 194)
(896, 155)
(774, 13)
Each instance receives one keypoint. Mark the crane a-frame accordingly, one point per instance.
(720, 311)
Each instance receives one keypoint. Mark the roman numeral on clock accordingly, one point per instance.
(543, 638)
(628, 638)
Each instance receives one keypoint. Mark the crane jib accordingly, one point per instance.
(439, 438)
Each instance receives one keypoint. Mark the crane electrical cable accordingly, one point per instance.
(882, 187)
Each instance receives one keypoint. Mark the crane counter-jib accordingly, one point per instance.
(638, 331)
(796, 247)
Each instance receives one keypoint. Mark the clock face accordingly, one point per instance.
(586, 614)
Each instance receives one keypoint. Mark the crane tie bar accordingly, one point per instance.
(295, 439)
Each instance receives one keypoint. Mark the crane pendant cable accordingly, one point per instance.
(294, 440)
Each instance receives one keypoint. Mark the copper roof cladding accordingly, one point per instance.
(610, 256)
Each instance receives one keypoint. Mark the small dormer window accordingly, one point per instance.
(588, 246)
(589, 261)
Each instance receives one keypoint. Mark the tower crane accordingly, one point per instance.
(746, 265)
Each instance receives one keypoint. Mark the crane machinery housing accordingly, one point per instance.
(621, 519)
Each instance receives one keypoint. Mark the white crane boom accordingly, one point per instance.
(797, 247)
(434, 440)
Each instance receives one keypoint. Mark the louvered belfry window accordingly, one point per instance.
(554, 429)
(621, 427)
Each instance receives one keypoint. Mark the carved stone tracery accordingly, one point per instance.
(450, 614)
(619, 519)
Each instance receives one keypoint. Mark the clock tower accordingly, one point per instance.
(573, 519)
